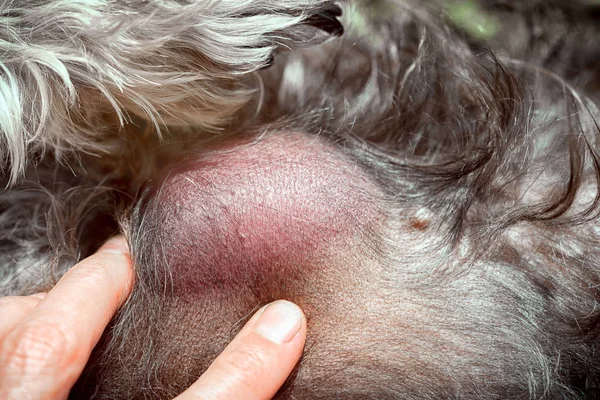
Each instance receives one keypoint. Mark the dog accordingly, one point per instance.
(431, 204)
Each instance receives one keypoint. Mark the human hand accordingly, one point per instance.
(46, 339)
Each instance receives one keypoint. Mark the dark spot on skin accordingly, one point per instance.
(418, 223)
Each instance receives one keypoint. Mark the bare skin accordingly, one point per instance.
(46, 338)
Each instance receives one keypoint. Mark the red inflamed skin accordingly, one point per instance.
(264, 209)
(245, 221)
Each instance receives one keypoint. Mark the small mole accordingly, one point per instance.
(418, 223)
(421, 220)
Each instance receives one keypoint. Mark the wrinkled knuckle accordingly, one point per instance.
(11, 302)
(6, 300)
(247, 362)
(36, 347)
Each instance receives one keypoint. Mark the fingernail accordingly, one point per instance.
(279, 321)
(115, 245)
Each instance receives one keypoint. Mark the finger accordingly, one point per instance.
(45, 353)
(258, 361)
(15, 308)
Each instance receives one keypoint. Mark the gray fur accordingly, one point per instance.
(71, 70)
(484, 283)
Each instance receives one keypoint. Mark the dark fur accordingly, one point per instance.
(487, 278)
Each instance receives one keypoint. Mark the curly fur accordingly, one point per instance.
(485, 283)
(67, 65)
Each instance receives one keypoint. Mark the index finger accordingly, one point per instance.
(45, 353)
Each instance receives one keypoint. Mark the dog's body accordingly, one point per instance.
(432, 208)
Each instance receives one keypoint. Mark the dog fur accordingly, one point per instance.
(485, 281)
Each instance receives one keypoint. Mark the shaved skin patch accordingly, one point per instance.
(264, 210)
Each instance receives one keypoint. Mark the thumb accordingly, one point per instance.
(258, 361)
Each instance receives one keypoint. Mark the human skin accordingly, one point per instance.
(46, 338)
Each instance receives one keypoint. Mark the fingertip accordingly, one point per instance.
(280, 322)
(115, 245)
(259, 360)
(118, 246)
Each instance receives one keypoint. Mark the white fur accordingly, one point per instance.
(71, 69)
